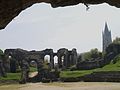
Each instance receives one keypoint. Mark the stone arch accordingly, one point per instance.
(47, 58)
(51, 55)
(31, 56)
(62, 58)
(14, 57)
(33, 63)
(56, 61)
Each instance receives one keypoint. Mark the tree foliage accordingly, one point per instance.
(92, 54)
(1, 52)
(116, 40)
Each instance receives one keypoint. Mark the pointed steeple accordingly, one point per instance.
(107, 39)
(106, 27)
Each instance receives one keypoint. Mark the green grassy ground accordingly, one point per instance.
(33, 69)
(11, 76)
(74, 74)
(69, 74)
(15, 76)
(110, 67)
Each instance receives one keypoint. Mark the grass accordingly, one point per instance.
(109, 67)
(11, 76)
(33, 69)
(74, 74)
(15, 76)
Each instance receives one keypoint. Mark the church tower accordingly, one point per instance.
(107, 39)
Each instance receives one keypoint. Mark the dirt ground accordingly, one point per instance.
(64, 86)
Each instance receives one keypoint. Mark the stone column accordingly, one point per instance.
(59, 61)
(72, 59)
(13, 65)
(40, 69)
(25, 72)
(51, 61)
(6, 63)
(66, 63)
(69, 60)
(42, 57)
(74, 56)
(2, 70)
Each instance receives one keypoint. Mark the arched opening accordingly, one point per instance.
(33, 68)
(33, 63)
(47, 58)
(13, 64)
(63, 61)
(55, 61)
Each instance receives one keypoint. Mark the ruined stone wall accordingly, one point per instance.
(2, 69)
(103, 76)
(87, 65)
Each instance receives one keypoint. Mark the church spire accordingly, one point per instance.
(107, 39)
(106, 28)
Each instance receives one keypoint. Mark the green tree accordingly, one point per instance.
(92, 54)
(1, 53)
(116, 40)
(95, 53)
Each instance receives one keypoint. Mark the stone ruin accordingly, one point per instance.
(92, 64)
(19, 58)
(2, 69)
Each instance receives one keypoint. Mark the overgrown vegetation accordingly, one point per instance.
(90, 55)
(94, 53)
(11, 76)
(33, 69)
(113, 66)
(74, 74)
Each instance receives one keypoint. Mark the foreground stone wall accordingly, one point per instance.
(9, 9)
(102, 76)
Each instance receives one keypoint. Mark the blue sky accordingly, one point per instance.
(41, 26)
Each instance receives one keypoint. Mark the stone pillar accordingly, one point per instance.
(66, 63)
(40, 69)
(59, 61)
(51, 61)
(13, 65)
(72, 59)
(42, 57)
(2, 70)
(6, 63)
(74, 56)
(69, 60)
(25, 72)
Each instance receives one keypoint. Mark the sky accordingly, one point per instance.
(41, 26)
